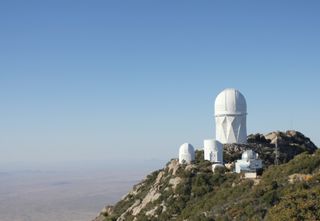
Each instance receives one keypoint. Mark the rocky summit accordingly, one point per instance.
(290, 144)
(289, 190)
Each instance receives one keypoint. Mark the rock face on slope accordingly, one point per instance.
(290, 143)
(193, 192)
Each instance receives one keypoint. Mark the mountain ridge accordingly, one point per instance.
(194, 192)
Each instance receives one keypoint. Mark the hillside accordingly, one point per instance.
(289, 191)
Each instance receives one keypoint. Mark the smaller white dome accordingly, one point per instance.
(186, 153)
(249, 155)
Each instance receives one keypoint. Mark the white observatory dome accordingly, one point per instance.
(230, 101)
(230, 115)
(249, 155)
(186, 153)
(249, 162)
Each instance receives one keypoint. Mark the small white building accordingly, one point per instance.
(249, 162)
(213, 151)
(186, 153)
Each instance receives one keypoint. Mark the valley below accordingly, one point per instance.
(61, 195)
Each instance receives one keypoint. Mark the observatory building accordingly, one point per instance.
(249, 162)
(231, 127)
(186, 153)
(230, 117)
(213, 151)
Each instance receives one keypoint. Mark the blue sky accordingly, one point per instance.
(132, 80)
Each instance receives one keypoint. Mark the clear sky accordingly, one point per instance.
(131, 80)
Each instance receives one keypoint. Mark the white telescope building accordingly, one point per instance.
(186, 153)
(230, 117)
(249, 162)
(213, 151)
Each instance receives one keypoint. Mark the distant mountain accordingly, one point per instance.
(288, 191)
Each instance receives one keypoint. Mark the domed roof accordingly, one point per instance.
(249, 155)
(186, 153)
(186, 148)
(230, 102)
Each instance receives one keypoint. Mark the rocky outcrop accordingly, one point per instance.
(104, 213)
(152, 195)
(174, 192)
(145, 194)
(297, 177)
(290, 144)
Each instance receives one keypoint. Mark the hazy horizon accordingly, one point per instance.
(71, 191)
(62, 195)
